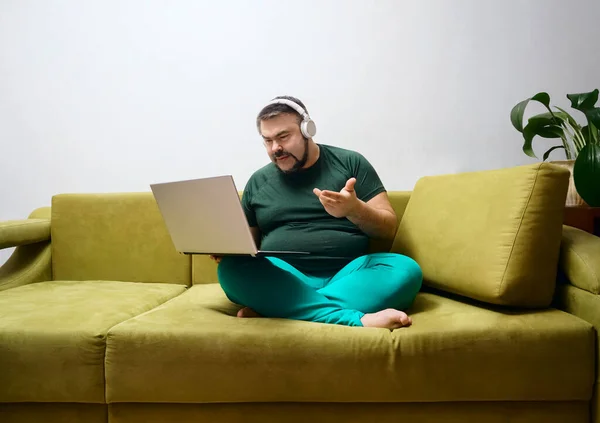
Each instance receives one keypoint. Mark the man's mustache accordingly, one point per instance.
(283, 153)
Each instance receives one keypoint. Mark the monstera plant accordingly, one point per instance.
(581, 144)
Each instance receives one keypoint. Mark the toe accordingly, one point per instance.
(405, 320)
(247, 312)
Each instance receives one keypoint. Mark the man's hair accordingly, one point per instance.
(272, 110)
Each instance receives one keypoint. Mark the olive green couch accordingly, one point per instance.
(101, 320)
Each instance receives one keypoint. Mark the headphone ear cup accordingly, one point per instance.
(308, 128)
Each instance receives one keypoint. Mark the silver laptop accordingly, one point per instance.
(205, 216)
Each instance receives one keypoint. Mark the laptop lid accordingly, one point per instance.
(205, 216)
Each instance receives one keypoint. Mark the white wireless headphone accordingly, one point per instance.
(307, 126)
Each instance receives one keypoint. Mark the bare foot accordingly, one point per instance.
(247, 312)
(389, 318)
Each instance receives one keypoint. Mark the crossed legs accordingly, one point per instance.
(372, 290)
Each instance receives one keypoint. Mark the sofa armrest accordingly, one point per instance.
(31, 261)
(14, 233)
(586, 306)
(27, 264)
(580, 259)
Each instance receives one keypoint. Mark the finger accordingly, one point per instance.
(331, 195)
(329, 200)
(317, 192)
(350, 184)
(329, 204)
(324, 200)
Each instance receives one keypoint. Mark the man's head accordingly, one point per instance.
(279, 125)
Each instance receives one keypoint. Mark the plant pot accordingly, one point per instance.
(573, 198)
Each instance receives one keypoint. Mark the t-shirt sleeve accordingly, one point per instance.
(247, 206)
(368, 184)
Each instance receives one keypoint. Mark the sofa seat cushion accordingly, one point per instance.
(53, 336)
(194, 350)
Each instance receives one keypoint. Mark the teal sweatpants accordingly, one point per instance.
(274, 288)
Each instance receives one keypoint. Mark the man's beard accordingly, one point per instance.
(299, 162)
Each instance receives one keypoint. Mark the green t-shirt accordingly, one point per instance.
(291, 217)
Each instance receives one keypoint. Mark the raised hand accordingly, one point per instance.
(339, 204)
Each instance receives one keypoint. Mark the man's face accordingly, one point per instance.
(286, 146)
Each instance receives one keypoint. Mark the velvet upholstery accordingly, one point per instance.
(53, 335)
(446, 412)
(27, 264)
(31, 261)
(490, 235)
(585, 306)
(580, 251)
(194, 349)
(53, 413)
(119, 237)
(23, 232)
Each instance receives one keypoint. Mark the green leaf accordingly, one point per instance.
(590, 134)
(517, 112)
(543, 98)
(586, 174)
(550, 131)
(528, 134)
(516, 115)
(585, 131)
(543, 125)
(547, 153)
(593, 116)
(546, 119)
(583, 101)
(565, 116)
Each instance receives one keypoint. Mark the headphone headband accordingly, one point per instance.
(292, 104)
(307, 126)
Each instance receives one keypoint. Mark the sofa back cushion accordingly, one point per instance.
(491, 235)
(118, 237)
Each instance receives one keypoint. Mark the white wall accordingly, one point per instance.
(113, 95)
